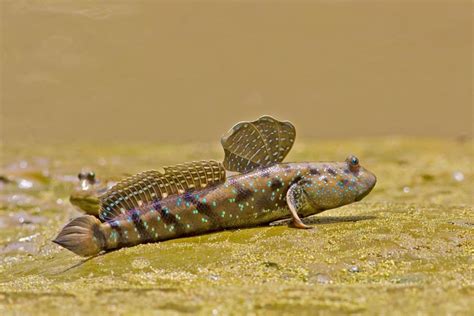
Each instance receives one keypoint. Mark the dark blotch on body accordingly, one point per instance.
(205, 210)
(188, 197)
(99, 236)
(296, 180)
(137, 221)
(165, 215)
(243, 194)
(276, 184)
(314, 172)
(156, 205)
(203, 207)
(115, 225)
(331, 171)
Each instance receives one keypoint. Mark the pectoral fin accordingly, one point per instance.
(295, 200)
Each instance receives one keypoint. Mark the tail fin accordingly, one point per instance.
(83, 236)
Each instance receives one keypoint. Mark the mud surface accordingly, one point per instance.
(406, 248)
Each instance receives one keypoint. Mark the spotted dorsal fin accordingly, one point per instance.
(152, 185)
(249, 145)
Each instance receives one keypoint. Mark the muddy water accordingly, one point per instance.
(186, 71)
(408, 247)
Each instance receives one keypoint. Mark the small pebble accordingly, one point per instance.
(28, 238)
(21, 199)
(354, 269)
(140, 263)
(25, 184)
(406, 190)
(323, 278)
(214, 277)
(458, 176)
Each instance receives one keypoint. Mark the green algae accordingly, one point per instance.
(406, 248)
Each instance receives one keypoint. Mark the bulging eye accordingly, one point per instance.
(87, 176)
(353, 163)
(91, 177)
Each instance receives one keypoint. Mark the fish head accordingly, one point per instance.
(365, 180)
(86, 195)
(331, 185)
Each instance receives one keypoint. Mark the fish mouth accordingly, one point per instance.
(363, 195)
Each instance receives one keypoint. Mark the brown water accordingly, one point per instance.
(186, 71)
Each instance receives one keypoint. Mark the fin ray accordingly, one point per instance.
(152, 185)
(249, 145)
(82, 236)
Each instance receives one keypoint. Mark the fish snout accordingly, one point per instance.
(368, 180)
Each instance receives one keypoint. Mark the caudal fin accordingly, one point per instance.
(82, 236)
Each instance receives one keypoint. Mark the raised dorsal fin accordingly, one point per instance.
(152, 185)
(249, 145)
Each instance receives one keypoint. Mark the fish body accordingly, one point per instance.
(196, 197)
(251, 199)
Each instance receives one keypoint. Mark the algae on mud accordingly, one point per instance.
(408, 247)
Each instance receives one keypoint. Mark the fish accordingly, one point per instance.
(85, 196)
(198, 197)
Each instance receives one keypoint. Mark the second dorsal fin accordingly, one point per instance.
(249, 145)
(148, 186)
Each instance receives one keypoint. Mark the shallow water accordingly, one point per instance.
(407, 247)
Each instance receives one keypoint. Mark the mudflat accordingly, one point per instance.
(408, 247)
